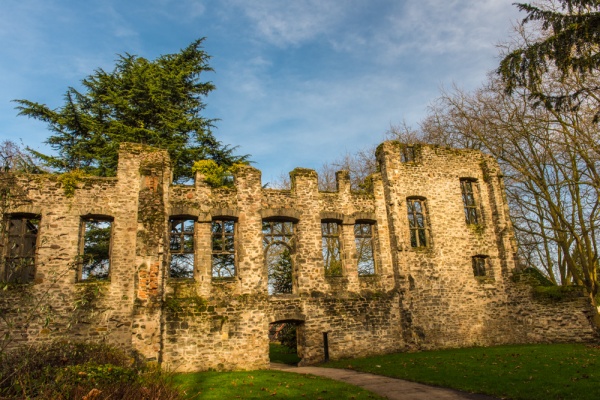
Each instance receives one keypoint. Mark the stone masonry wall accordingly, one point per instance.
(421, 297)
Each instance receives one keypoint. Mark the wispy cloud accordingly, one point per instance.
(434, 27)
(186, 10)
(430, 28)
(284, 23)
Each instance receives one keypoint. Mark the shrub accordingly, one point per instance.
(65, 370)
(71, 179)
(214, 174)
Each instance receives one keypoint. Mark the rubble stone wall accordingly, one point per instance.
(422, 297)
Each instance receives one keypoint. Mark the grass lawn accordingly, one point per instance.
(282, 354)
(559, 371)
(265, 385)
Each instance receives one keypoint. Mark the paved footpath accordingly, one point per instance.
(391, 388)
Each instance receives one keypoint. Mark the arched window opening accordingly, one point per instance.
(182, 248)
(95, 248)
(480, 266)
(21, 233)
(363, 236)
(223, 248)
(417, 222)
(278, 243)
(467, 187)
(331, 247)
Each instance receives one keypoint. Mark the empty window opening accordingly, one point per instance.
(182, 248)
(95, 249)
(417, 222)
(332, 256)
(480, 266)
(278, 244)
(223, 248)
(363, 234)
(19, 257)
(407, 154)
(470, 206)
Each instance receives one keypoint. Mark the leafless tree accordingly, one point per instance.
(551, 163)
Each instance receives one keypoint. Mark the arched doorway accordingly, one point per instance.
(286, 338)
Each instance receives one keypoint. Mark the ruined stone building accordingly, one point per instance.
(191, 275)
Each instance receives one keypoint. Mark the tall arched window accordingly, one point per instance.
(94, 248)
(278, 244)
(223, 248)
(21, 233)
(331, 247)
(363, 234)
(417, 222)
(182, 248)
(467, 187)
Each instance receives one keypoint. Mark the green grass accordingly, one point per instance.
(265, 385)
(560, 371)
(282, 354)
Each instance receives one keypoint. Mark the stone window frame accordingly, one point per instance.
(22, 252)
(418, 234)
(81, 254)
(182, 234)
(469, 189)
(481, 266)
(409, 153)
(329, 236)
(224, 252)
(373, 236)
(289, 242)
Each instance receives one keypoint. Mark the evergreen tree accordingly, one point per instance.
(567, 44)
(151, 102)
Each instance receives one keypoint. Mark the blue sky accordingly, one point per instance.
(299, 82)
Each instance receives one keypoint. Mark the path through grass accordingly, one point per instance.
(265, 385)
(560, 371)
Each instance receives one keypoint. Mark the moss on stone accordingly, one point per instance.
(181, 304)
(557, 293)
(477, 229)
(69, 180)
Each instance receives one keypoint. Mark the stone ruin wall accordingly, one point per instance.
(419, 298)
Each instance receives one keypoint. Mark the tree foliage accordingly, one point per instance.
(288, 336)
(567, 40)
(214, 174)
(157, 102)
(96, 251)
(280, 268)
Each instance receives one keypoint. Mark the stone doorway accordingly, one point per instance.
(286, 338)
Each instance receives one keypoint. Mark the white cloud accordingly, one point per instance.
(284, 23)
(304, 123)
(458, 26)
(186, 10)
